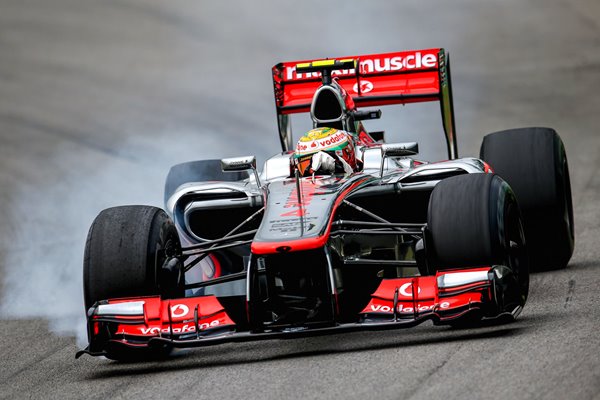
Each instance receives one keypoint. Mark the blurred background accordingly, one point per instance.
(99, 98)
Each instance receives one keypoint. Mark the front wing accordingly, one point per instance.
(449, 297)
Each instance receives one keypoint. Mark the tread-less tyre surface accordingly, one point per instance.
(474, 221)
(198, 171)
(124, 253)
(533, 161)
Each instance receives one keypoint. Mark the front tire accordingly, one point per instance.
(474, 220)
(125, 250)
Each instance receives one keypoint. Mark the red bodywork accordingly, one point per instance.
(173, 317)
(200, 321)
(381, 79)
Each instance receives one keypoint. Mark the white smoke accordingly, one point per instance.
(43, 272)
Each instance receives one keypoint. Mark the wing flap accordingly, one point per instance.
(380, 79)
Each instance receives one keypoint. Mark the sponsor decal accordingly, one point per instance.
(365, 86)
(298, 209)
(179, 310)
(416, 60)
(320, 139)
(339, 137)
(402, 309)
(287, 226)
(403, 290)
(155, 330)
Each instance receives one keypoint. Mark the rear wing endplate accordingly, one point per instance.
(380, 79)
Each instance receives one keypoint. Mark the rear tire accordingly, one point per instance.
(198, 171)
(474, 220)
(124, 254)
(533, 161)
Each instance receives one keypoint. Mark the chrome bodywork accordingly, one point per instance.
(403, 173)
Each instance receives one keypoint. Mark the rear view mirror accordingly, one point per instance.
(241, 164)
(399, 149)
(238, 163)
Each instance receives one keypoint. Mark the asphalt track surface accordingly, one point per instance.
(98, 99)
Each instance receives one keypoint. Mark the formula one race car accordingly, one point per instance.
(385, 242)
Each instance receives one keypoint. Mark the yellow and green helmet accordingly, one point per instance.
(335, 142)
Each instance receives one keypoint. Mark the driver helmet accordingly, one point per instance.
(334, 143)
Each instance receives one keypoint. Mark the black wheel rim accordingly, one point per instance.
(516, 254)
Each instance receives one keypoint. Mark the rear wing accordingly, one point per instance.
(379, 79)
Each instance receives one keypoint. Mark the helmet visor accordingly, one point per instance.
(303, 164)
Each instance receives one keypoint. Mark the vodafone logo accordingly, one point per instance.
(365, 86)
(401, 309)
(179, 310)
(404, 290)
(332, 140)
(155, 330)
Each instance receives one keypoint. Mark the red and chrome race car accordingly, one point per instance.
(246, 255)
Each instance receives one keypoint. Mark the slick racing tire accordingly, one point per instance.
(534, 163)
(125, 251)
(474, 220)
(198, 171)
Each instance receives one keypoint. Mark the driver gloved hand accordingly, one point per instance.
(323, 162)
